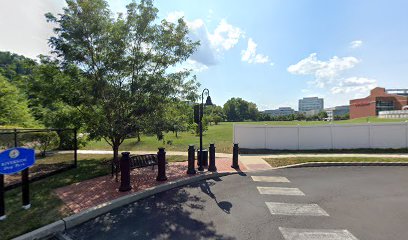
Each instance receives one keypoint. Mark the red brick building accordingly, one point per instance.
(379, 100)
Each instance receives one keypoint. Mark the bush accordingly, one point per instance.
(42, 141)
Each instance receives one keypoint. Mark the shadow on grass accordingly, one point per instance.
(166, 215)
(46, 206)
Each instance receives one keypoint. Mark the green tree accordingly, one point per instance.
(178, 116)
(123, 65)
(215, 114)
(13, 106)
(238, 110)
(322, 115)
(17, 69)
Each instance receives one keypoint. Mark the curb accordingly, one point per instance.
(42, 232)
(344, 164)
(90, 213)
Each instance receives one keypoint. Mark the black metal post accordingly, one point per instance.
(26, 189)
(15, 138)
(200, 156)
(212, 167)
(125, 172)
(2, 205)
(235, 151)
(25, 185)
(191, 153)
(161, 165)
(75, 148)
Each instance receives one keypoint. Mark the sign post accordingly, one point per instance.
(2, 209)
(12, 161)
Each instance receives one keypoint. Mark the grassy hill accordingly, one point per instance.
(220, 134)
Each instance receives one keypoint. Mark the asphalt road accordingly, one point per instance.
(369, 202)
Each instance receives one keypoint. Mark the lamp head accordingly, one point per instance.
(208, 102)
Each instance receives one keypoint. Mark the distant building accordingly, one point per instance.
(310, 113)
(282, 111)
(337, 111)
(379, 100)
(393, 114)
(311, 103)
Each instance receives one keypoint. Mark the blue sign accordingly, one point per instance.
(16, 159)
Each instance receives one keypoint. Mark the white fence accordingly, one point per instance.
(331, 136)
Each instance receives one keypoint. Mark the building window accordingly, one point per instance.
(384, 106)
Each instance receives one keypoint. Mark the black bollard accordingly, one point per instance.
(125, 172)
(235, 151)
(191, 152)
(212, 167)
(161, 165)
(2, 207)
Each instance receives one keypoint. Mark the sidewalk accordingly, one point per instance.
(89, 193)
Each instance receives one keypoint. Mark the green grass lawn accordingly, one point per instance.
(46, 206)
(279, 162)
(220, 134)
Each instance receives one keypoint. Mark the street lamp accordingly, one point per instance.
(208, 102)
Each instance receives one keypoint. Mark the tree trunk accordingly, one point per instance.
(115, 161)
(138, 136)
(176, 135)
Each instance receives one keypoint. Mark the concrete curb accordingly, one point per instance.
(42, 232)
(81, 217)
(344, 164)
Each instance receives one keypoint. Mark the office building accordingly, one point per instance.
(337, 111)
(282, 111)
(311, 103)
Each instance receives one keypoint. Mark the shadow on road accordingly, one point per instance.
(163, 216)
(223, 205)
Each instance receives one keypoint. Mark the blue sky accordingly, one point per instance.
(269, 52)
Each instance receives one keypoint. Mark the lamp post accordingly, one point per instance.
(200, 125)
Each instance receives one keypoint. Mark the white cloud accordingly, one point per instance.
(323, 71)
(196, 66)
(330, 80)
(212, 44)
(249, 55)
(354, 85)
(356, 44)
(24, 27)
(174, 16)
(225, 36)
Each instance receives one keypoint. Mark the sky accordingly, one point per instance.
(268, 52)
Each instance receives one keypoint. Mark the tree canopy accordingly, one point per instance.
(13, 106)
(238, 110)
(122, 64)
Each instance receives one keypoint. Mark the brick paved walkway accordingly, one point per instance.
(89, 193)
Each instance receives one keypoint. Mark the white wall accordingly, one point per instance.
(331, 136)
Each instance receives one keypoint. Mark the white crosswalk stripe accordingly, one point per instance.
(280, 191)
(295, 209)
(316, 234)
(269, 179)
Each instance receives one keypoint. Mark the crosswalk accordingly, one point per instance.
(297, 209)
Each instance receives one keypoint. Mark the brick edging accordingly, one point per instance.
(83, 216)
(344, 164)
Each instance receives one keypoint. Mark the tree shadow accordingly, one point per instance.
(167, 215)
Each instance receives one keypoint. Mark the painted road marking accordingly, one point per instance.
(295, 209)
(316, 234)
(269, 179)
(280, 191)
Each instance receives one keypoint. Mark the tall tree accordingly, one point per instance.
(237, 109)
(123, 63)
(13, 106)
